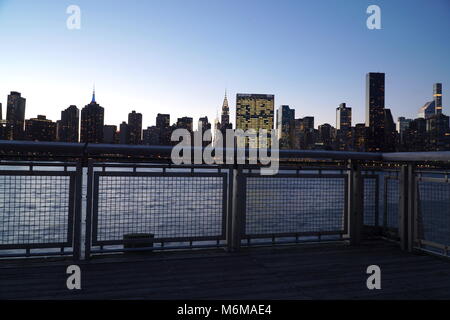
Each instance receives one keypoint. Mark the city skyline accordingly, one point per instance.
(412, 114)
(177, 56)
(380, 132)
(232, 110)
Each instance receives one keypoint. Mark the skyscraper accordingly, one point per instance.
(225, 116)
(15, 116)
(284, 126)
(185, 123)
(124, 134)
(165, 130)
(303, 135)
(390, 134)
(203, 124)
(343, 117)
(375, 115)
(135, 127)
(415, 136)
(437, 95)
(69, 124)
(152, 136)
(40, 129)
(223, 124)
(438, 124)
(344, 127)
(437, 130)
(163, 120)
(325, 136)
(402, 126)
(2, 124)
(109, 133)
(254, 111)
(360, 134)
(427, 110)
(92, 120)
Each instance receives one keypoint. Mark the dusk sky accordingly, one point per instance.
(178, 57)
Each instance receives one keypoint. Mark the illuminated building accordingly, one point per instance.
(15, 116)
(375, 115)
(69, 124)
(135, 127)
(40, 129)
(284, 126)
(360, 134)
(92, 120)
(344, 127)
(303, 135)
(437, 95)
(402, 126)
(254, 111)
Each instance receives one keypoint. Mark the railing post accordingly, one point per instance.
(403, 207)
(407, 207)
(238, 209)
(355, 203)
(88, 236)
(78, 212)
(412, 207)
(229, 219)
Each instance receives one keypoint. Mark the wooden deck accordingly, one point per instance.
(325, 271)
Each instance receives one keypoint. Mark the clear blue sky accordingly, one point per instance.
(178, 56)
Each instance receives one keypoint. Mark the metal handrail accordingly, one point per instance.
(417, 156)
(92, 149)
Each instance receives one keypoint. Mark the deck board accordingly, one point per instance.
(325, 271)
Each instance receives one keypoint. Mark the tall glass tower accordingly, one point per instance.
(375, 91)
(437, 95)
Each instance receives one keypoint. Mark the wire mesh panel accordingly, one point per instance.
(36, 209)
(295, 205)
(433, 216)
(391, 203)
(370, 200)
(169, 206)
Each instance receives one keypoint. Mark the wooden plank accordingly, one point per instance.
(327, 271)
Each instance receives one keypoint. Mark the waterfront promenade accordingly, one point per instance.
(140, 228)
(325, 271)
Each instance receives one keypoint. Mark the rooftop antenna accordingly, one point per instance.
(93, 94)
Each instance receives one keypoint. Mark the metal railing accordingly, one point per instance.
(432, 211)
(84, 200)
(40, 208)
(295, 205)
(178, 207)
